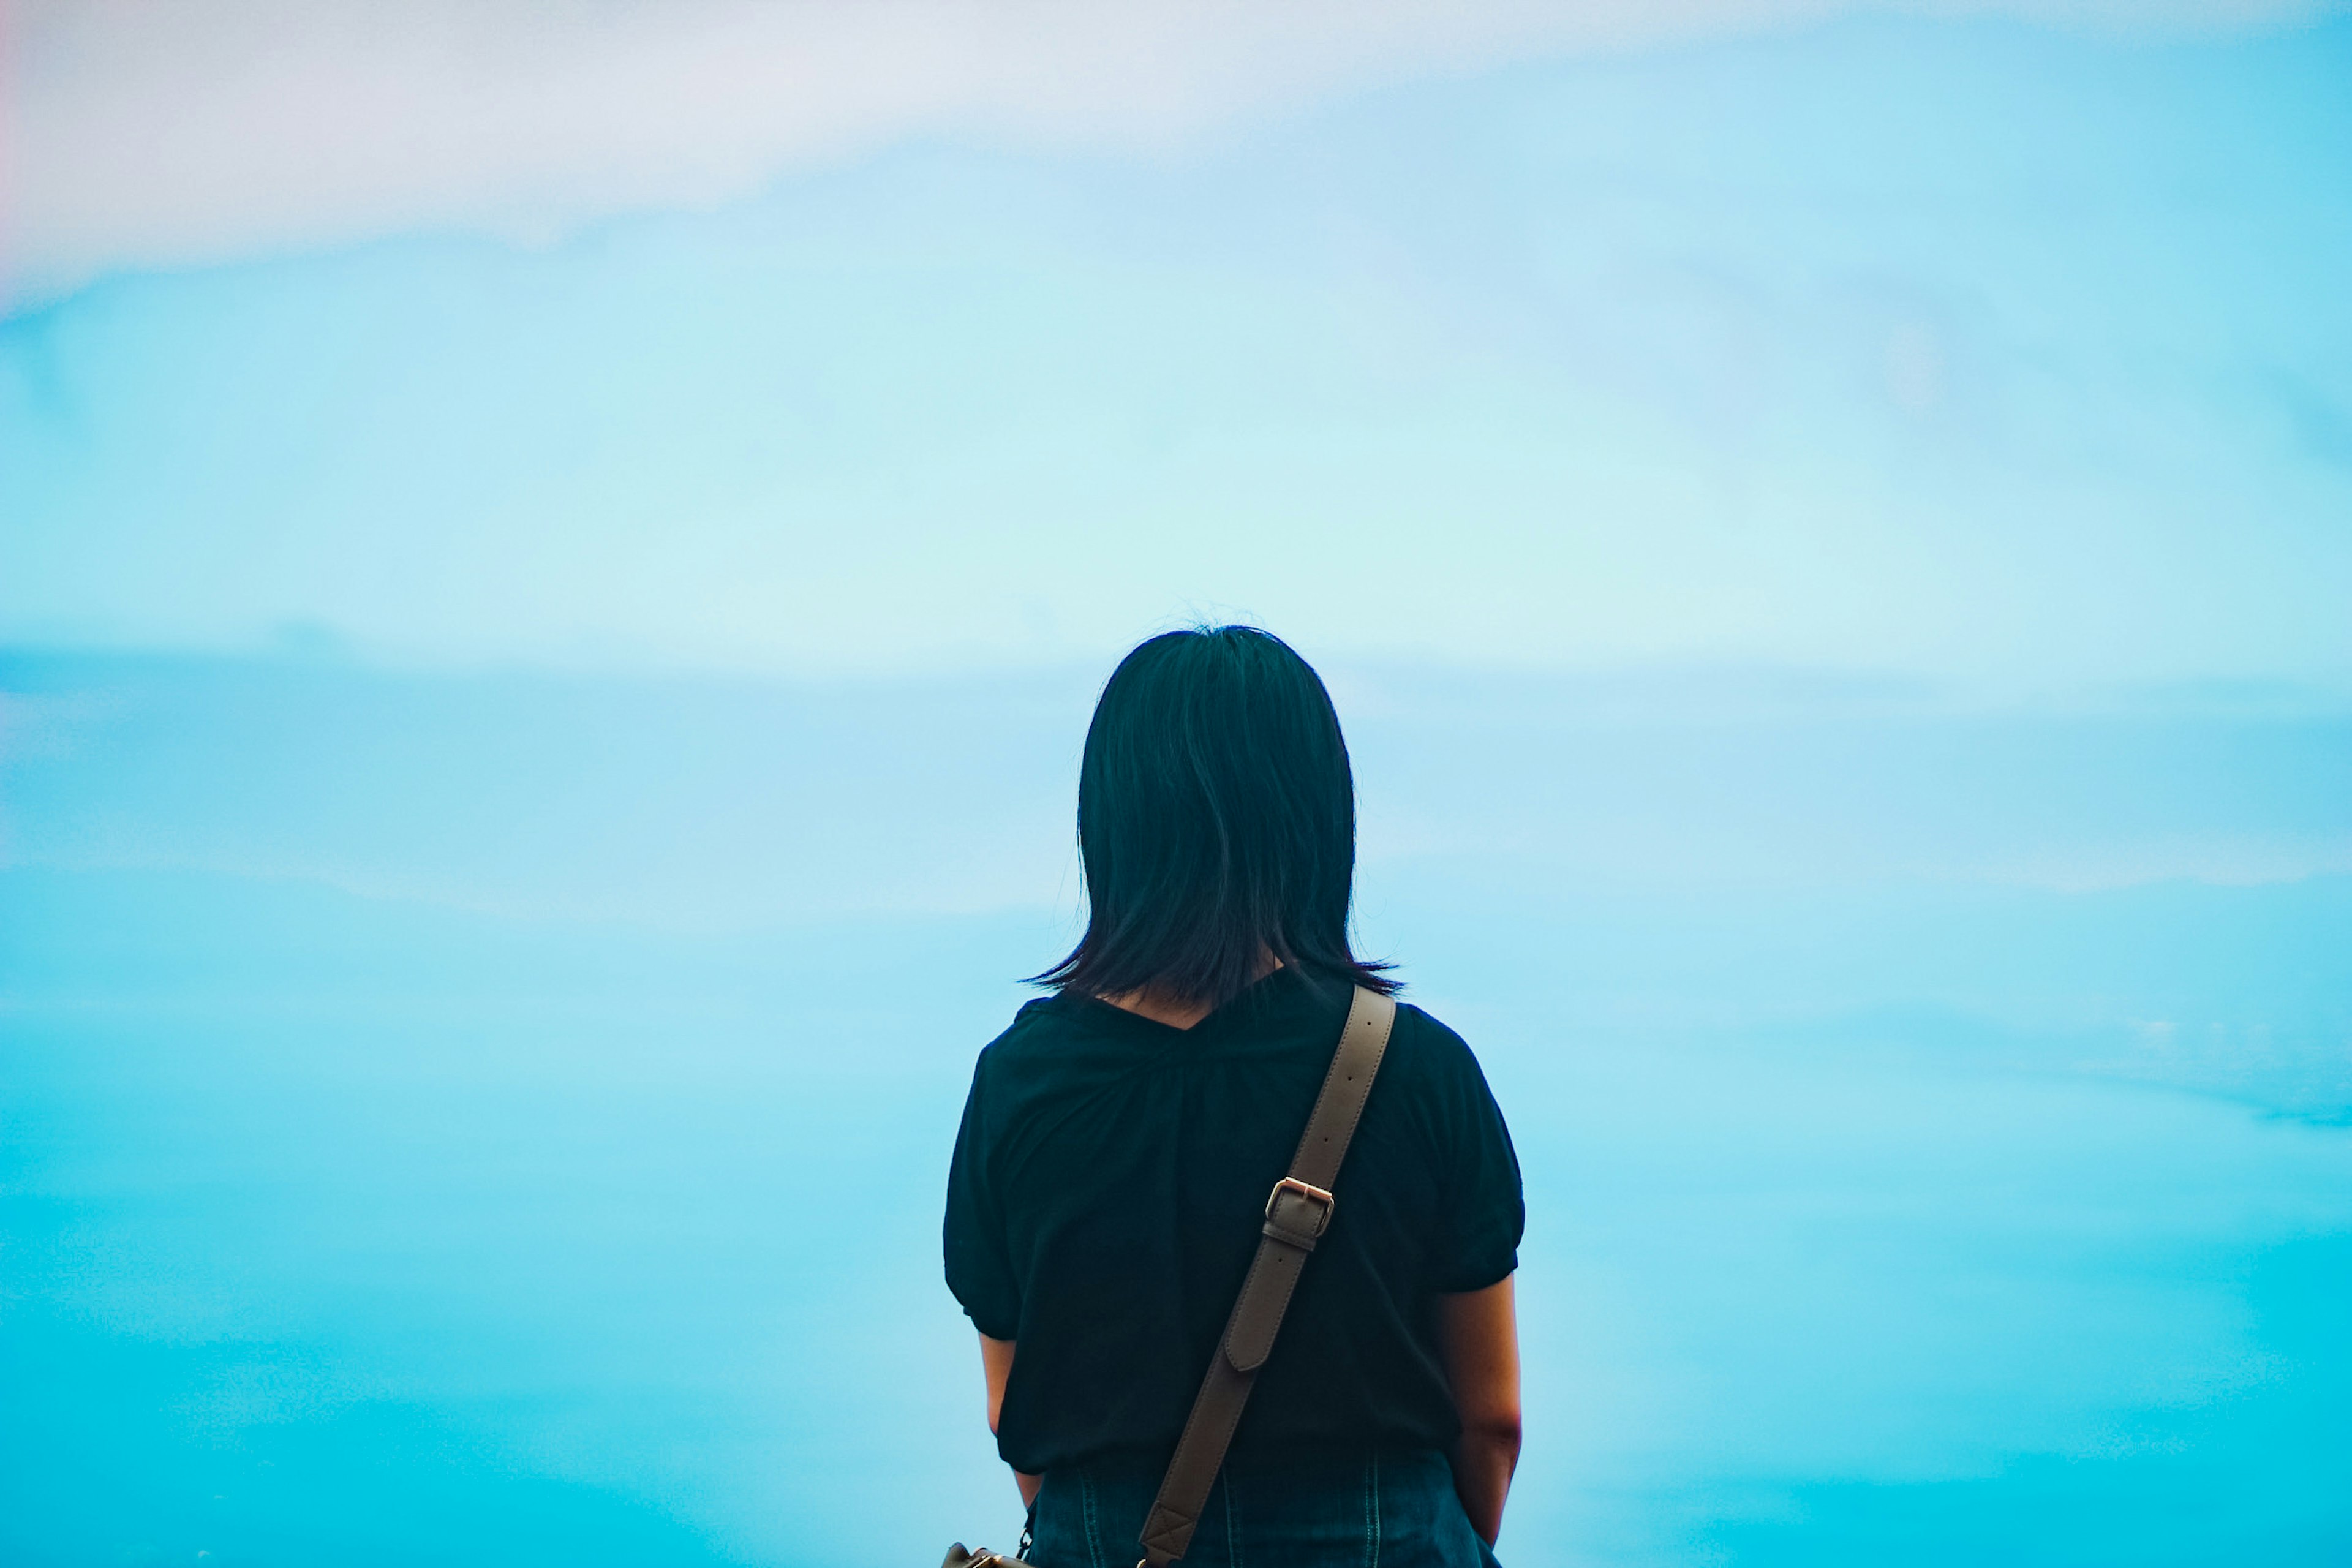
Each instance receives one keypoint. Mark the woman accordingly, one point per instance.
(1121, 1139)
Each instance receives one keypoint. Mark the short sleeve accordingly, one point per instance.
(979, 1263)
(1486, 1211)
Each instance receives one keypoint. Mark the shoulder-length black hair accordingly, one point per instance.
(1217, 823)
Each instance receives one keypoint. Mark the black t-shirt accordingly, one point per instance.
(1105, 1199)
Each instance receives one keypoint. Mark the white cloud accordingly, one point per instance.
(148, 135)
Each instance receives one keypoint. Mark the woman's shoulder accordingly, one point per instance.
(1037, 1026)
(1434, 1069)
(1053, 1041)
(1428, 1043)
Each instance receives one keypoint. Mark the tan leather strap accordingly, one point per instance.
(1297, 1212)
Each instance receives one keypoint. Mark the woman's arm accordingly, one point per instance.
(996, 1360)
(1478, 1334)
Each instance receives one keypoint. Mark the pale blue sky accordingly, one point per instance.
(2000, 355)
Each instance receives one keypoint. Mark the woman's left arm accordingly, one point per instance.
(1478, 1336)
(996, 1360)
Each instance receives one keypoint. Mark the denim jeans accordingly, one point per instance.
(1385, 1511)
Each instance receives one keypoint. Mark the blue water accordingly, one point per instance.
(499, 1118)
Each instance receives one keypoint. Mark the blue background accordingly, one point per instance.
(530, 770)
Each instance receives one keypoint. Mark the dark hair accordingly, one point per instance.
(1216, 820)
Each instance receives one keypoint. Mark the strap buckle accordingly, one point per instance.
(1281, 1218)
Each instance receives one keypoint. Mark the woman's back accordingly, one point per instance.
(1104, 1201)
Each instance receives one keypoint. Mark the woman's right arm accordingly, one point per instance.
(1478, 1336)
(996, 1365)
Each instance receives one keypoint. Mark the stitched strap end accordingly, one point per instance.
(1165, 1536)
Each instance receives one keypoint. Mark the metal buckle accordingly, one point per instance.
(1325, 1203)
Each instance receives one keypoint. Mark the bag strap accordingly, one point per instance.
(1296, 1213)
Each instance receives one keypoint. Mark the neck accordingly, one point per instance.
(1162, 1006)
